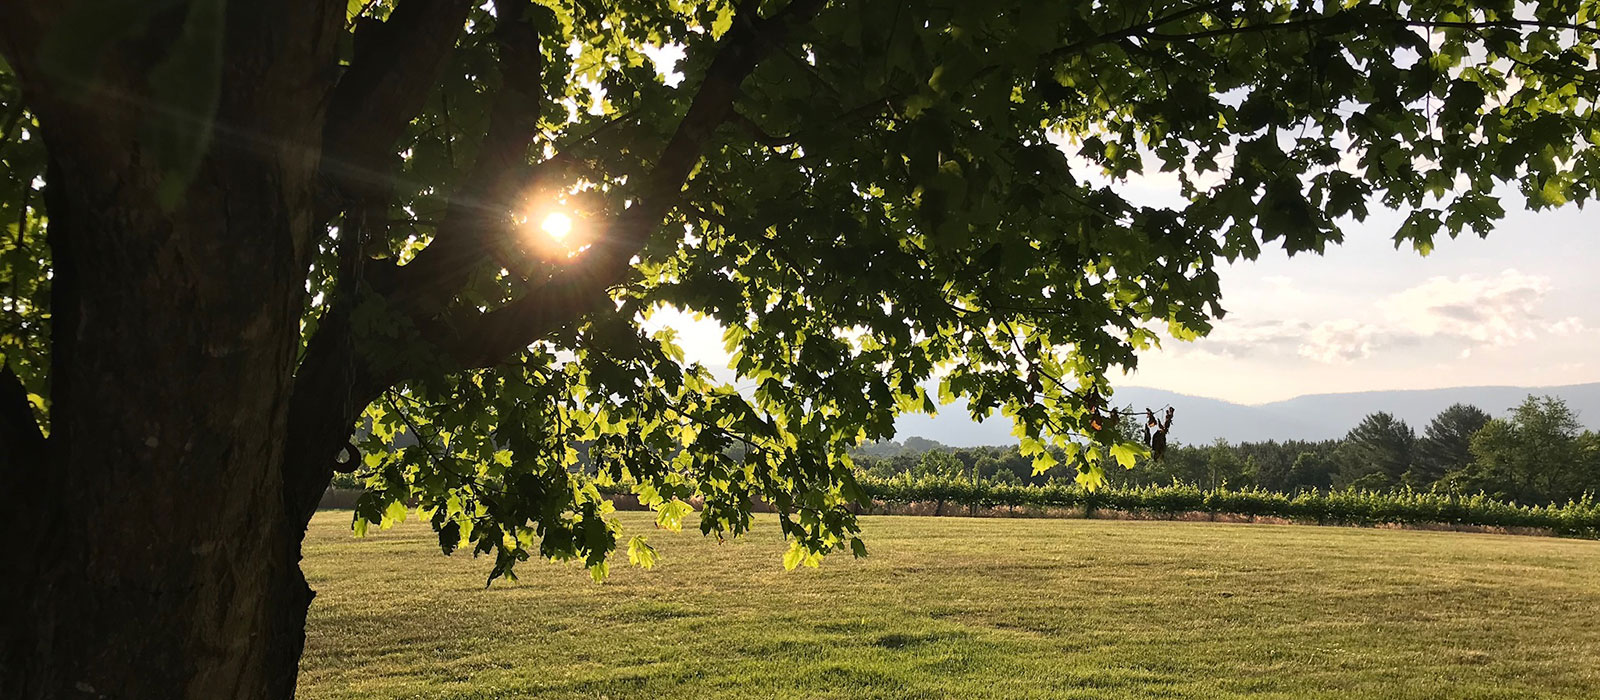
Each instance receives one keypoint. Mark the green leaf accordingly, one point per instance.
(394, 514)
(450, 536)
(1043, 462)
(1127, 454)
(640, 553)
(794, 557)
(670, 515)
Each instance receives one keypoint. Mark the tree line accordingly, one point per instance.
(1539, 453)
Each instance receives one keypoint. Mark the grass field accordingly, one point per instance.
(969, 608)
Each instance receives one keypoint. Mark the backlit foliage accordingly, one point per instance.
(907, 195)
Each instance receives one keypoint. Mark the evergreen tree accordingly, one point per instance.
(1446, 445)
(1376, 453)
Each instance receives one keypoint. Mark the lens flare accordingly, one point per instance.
(556, 225)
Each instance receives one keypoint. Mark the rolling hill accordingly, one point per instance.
(1311, 417)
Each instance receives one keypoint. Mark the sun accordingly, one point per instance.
(556, 225)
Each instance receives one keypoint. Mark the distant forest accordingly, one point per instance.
(1538, 454)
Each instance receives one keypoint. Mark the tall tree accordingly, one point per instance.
(1276, 462)
(1446, 444)
(1536, 455)
(1313, 470)
(939, 463)
(1376, 453)
(234, 230)
(1225, 467)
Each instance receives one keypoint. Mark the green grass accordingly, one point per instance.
(968, 608)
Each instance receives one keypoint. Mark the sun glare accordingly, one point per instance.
(557, 225)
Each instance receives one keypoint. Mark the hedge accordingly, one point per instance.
(1579, 518)
(1350, 507)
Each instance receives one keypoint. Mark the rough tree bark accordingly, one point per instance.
(160, 559)
(158, 527)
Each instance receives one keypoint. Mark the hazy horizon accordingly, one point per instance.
(1257, 404)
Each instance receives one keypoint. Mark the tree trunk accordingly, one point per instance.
(157, 546)
(170, 566)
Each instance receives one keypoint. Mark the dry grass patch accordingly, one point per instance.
(969, 607)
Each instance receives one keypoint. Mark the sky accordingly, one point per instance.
(1515, 308)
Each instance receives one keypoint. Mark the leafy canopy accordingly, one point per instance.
(872, 197)
(1537, 454)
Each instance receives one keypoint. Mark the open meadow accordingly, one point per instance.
(968, 608)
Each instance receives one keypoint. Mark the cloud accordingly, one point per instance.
(1494, 310)
(1469, 311)
(1571, 325)
(1246, 338)
(1344, 340)
(1456, 315)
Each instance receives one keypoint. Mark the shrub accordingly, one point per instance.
(1578, 518)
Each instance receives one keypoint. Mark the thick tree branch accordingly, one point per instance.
(334, 383)
(1400, 22)
(1143, 31)
(486, 339)
(396, 62)
(464, 237)
(21, 441)
(1137, 29)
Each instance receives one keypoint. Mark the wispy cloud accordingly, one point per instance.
(1475, 310)
(1246, 338)
(1458, 314)
(1571, 325)
(1344, 340)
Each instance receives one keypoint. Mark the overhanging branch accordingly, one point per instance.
(1143, 30)
(1397, 22)
(333, 381)
(466, 234)
(485, 339)
(388, 81)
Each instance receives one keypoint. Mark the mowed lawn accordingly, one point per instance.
(968, 608)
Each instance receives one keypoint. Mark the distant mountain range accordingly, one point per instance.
(1201, 420)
